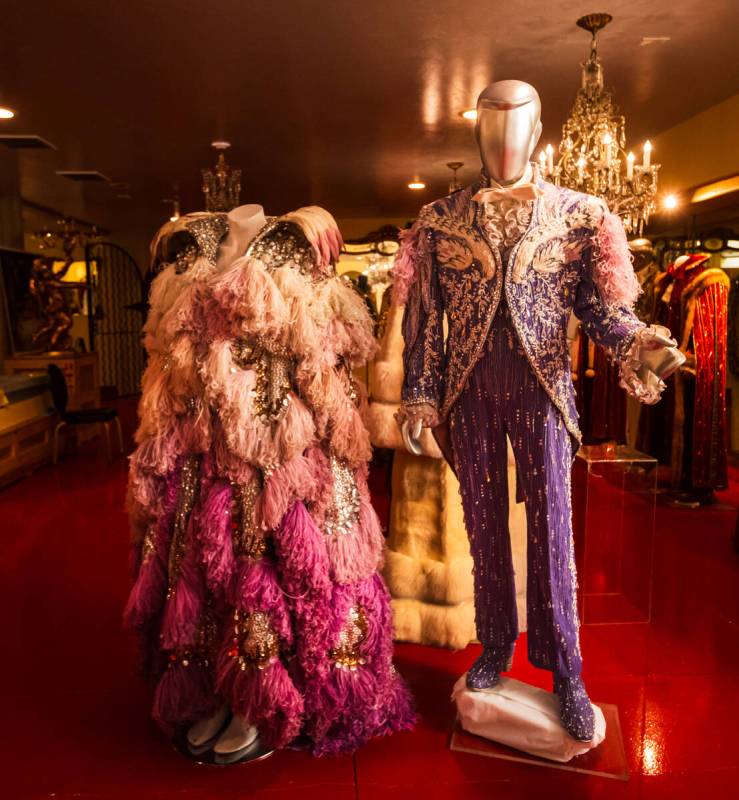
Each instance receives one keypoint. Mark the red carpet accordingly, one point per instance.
(76, 722)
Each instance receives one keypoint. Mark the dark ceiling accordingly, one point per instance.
(335, 102)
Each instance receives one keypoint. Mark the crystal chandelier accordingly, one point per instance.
(592, 153)
(222, 184)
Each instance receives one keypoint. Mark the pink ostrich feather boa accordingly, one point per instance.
(612, 270)
(405, 269)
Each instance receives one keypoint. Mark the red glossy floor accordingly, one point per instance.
(75, 714)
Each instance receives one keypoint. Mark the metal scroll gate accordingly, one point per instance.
(116, 302)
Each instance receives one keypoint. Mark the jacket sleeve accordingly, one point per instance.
(416, 285)
(608, 288)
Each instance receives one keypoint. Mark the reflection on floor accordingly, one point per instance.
(75, 715)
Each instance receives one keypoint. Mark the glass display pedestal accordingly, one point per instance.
(613, 506)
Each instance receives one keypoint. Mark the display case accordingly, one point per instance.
(614, 503)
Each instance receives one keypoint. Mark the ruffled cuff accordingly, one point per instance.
(636, 373)
(412, 412)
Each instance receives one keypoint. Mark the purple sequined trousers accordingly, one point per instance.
(503, 399)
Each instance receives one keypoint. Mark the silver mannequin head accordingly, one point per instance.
(508, 128)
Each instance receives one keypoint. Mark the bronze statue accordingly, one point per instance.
(47, 287)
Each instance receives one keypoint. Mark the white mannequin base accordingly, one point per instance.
(522, 716)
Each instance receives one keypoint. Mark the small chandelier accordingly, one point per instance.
(222, 184)
(454, 183)
(592, 153)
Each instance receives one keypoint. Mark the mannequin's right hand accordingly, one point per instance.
(411, 433)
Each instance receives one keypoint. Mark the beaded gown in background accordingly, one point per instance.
(256, 547)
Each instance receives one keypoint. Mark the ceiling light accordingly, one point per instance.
(416, 185)
(715, 189)
(6, 113)
(670, 202)
(470, 113)
(647, 40)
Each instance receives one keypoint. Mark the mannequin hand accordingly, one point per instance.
(661, 356)
(411, 433)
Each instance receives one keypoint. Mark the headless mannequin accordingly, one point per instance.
(244, 223)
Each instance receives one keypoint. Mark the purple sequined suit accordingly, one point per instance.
(506, 277)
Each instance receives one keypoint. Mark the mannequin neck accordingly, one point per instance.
(244, 223)
(527, 177)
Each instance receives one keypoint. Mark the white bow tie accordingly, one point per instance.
(494, 194)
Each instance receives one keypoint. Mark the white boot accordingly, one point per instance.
(200, 735)
(238, 735)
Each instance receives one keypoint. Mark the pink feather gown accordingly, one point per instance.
(256, 548)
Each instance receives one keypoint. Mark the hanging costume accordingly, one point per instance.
(689, 430)
(507, 275)
(256, 547)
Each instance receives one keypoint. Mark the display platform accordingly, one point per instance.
(256, 751)
(608, 760)
(613, 513)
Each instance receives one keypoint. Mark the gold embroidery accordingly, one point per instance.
(343, 514)
(273, 371)
(248, 539)
(189, 484)
(346, 655)
(148, 544)
(255, 642)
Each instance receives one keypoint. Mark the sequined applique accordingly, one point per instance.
(274, 383)
(281, 242)
(244, 353)
(148, 543)
(343, 513)
(185, 259)
(248, 538)
(189, 484)
(346, 654)
(208, 232)
(255, 643)
(273, 371)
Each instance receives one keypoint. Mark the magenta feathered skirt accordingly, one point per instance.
(262, 594)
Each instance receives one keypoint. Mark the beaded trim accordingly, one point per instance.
(255, 643)
(346, 654)
(343, 513)
(248, 539)
(189, 485)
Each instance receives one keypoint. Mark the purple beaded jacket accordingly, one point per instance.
(572, 256)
